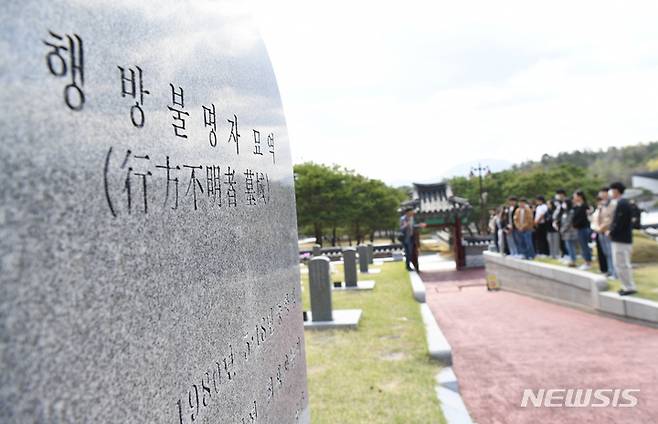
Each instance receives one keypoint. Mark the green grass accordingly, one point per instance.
(381, 372)
(646, 279)
(645, 276)
(645, 249)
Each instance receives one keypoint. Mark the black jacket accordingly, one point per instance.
(580, 219)
(621, 229)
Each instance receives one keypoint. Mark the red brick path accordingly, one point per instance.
(503, 343)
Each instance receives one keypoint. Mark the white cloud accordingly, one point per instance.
(405, 91)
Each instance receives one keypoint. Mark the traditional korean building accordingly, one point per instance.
(438, 207)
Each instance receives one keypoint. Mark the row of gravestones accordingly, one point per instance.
(322, 314)
(366, 254)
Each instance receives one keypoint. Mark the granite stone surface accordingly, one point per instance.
(148, 244)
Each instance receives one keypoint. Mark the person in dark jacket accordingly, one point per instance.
(541, 225)
(552, 235)
(511, 234)
(581, 224)
(621, 236)
(560, 205)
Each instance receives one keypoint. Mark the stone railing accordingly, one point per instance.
(566, 285)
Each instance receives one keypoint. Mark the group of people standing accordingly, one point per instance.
(564, 225)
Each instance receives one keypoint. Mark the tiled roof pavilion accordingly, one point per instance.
(436, 204)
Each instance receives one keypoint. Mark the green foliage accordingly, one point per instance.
(336, 201)
(578, 170)
(528, 183)
(652, 164)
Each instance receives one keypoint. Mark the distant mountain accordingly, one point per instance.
(614, 163)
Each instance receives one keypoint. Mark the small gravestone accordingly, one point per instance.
(371, 254)
(322, 316)
(320, 288)
(363, 258)
(349, 265)
(317, 250)
(351, 275)
(148, 238)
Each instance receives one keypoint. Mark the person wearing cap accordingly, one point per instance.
(621, 237)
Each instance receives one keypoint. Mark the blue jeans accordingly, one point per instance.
(511, 244)
(408, 251)
(527, 248)
(518, 240)
(606, 247)
(571, 249)
(583, 239)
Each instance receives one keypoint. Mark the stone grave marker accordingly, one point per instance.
(363, 258)
(317, 250)
(148, 236)
(320, 289)
(322, 315)
(351, 275)
(371, 254)
(349, 265)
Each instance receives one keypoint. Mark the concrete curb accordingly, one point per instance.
(437, 344)
(447, 388)
(452, 404)
(417, 286)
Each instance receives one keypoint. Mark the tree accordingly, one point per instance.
(319, 193)
(338, 200)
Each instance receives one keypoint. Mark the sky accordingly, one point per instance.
(418, 90)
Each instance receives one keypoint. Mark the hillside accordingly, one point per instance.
(614, 163)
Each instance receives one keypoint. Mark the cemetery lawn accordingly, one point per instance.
(380, 373)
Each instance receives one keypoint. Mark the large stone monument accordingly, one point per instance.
(148, 245)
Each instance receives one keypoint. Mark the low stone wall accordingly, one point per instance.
(629, 306)
(552, 282)
(473, 255)
(566, 285)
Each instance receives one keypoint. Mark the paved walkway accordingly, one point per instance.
(503, 343)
